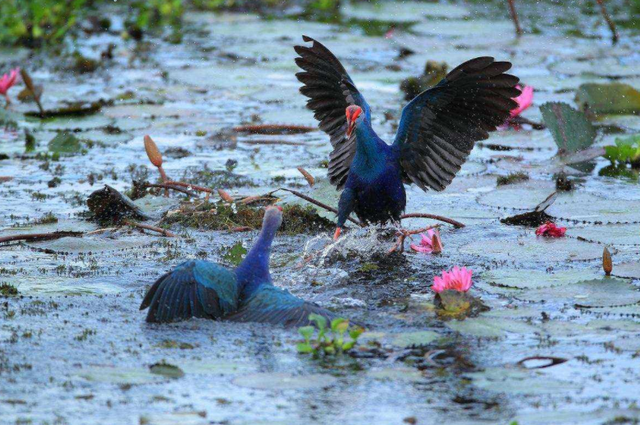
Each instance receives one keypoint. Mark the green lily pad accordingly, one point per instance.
(631, 344)
(182, 418)
(606, 292)
(92, 244)
(614, 98)
(602, 416)
(490, 327)
(115, 375)
(614, 234)
(216, 367)
(570, 128)
(630, 269)
(397, 374)
(284, 381)
(409, 339)
(65, 143)
(535, 279)
(522, 196)
(632, 310)
(595, 209)
(534, 248)
(409, 11)
(166, 370)
(63, 285)
(522, 382)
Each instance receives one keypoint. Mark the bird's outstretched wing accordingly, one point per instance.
(330, 90)
(195, 288)
(278, 307)
(439, 127)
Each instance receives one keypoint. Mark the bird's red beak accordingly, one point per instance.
(352, 114)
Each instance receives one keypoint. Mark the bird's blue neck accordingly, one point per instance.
(254, 269)
(369, 160)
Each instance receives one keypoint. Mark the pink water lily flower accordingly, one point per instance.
(524, 100)
(457, 279)
(550, 230)
(430, 243)
(7, 81)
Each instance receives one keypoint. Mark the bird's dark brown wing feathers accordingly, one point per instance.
(330, 90)
(439, 127)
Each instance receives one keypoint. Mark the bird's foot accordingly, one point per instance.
(399, 245)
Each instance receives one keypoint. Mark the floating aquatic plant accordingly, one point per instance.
(625, 151)
(452, 299)
(570, 128)
(329, 340)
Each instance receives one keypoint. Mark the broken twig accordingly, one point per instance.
(607, 18)
(41, 236)
(317, 203)
(162, 231)
(274, 129)
(451, 221)
(514, 17)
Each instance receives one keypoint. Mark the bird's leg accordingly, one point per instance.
(514, 17)
(612, 25)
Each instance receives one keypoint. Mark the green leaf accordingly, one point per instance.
(614, 98)
(320, 321)
(625, 150)
(304, 348)
(235, 254)
(571, 130)
(167, 370)
(65, 143)
(306, 332)
(348, 345)
(336, 323)
(355, 332)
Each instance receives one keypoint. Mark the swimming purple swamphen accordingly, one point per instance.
(437, 131)
(198, 288)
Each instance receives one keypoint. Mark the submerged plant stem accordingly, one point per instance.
(612, 25)
(514, 16)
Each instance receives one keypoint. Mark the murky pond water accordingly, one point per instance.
(75, 349)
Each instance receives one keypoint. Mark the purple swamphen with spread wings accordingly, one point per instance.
(437, 131)
(198, 288)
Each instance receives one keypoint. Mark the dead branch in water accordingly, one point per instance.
(274, 129)
(41, 236)
(162, 231)
(317, 203)
(451, 221)
(607, 18)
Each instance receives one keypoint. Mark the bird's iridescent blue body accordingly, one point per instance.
(198, 288)
(375, 181)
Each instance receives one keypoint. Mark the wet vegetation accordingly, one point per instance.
(546, 331)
